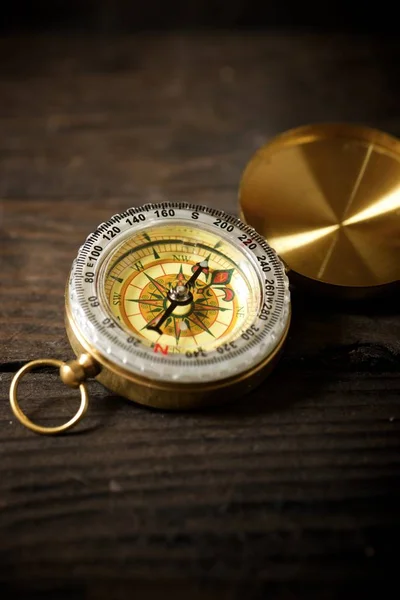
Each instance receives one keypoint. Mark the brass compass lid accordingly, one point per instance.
(327, 199)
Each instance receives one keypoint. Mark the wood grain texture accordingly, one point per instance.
(292, 492)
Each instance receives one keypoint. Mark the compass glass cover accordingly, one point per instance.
(178, 293)
(142, 273)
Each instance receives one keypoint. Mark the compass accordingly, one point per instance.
(174, 306)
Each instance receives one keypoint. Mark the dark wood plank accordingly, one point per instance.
(292, 492)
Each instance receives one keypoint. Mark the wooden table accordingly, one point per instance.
(292, 492)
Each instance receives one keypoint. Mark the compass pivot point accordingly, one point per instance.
(180, 294)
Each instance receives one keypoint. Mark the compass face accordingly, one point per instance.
(223, 300)
(178, 293)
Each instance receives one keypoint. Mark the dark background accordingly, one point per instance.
(293, 492)
(111, 16)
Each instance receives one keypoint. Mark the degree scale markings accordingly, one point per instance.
(117, 335)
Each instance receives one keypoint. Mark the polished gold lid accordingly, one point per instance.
(327, 199)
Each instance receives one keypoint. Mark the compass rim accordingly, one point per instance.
(271, 330)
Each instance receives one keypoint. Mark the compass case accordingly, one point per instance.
(327, 199)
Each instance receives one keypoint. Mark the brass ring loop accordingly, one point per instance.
(22, 418)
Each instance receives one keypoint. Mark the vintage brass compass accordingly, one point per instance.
(178, 306)
(169, 305)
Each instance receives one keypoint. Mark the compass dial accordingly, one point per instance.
(143, 269)
(178, 294)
